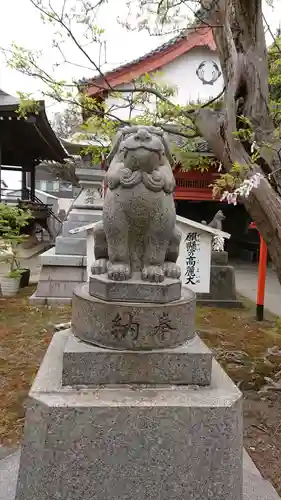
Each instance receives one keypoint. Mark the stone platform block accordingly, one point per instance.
(56, 283)
(59, 276)
(49, 301)
(219, 258)
(85, 364)
(62, 273)
(68, 226)
(50, 258)
(83, 217)
(131, 325)
(70, 246)
(222, 285)
(135, 289)
(133, 443)
(57, 288)
(223, 304)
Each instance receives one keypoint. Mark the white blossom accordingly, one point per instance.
(243, 190)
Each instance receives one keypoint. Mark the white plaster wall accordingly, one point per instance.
(180, 73)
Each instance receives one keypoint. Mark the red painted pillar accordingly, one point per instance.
(261, 278)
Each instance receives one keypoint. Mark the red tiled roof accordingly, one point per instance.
(199, 37)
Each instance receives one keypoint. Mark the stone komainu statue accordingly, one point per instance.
(138, 232)
(216, 222)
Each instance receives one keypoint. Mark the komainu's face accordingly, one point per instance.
(142, 150)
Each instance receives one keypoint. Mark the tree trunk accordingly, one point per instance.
(239, 35)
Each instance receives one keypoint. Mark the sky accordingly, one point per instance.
(20, 23)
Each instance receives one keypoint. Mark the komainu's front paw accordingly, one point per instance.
(119, 272)
(153, 273)
(99, 266)
(172, 270)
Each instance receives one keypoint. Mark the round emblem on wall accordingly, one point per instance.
(208, 72)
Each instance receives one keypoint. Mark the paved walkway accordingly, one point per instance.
(246, 283)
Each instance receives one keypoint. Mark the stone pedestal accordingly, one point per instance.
(125, 442)
(222, 284)
(139, 411)
(64, 266)
(148, 413)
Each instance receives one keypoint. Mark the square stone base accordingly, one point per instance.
(85, 364)
(130, 442)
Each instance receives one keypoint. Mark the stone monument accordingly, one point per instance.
(64, 265)
(222, 279)
(129, 403)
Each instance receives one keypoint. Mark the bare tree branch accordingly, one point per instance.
(60, 20)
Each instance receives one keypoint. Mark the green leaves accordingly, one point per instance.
(12, 221)
(274, 61)
(27, 105)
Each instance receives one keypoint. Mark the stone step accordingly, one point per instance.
(49, 301)
(50, 258)
(85, 216)
(85, 364)
(57, 288)
(70, 245)
(63, 274)
(68, 225)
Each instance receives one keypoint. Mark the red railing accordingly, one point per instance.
(194, 185)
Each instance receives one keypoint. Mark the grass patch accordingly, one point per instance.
(247, 349)
(25, 332)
